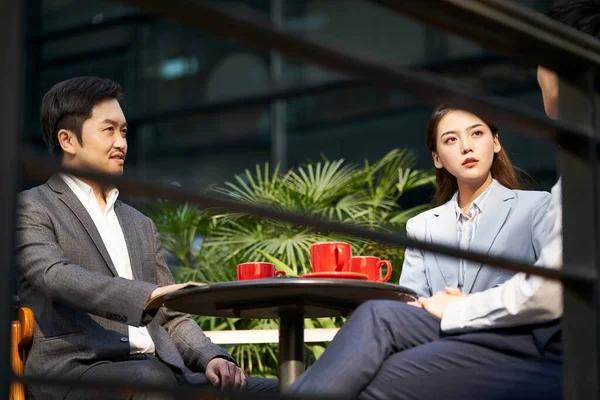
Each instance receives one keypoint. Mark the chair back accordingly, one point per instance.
(20, 338)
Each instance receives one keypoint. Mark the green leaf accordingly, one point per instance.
(317, 350)
(403, 216)
(279, 265)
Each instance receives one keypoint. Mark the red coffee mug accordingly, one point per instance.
(330, 256)
(371, 266)
(257, 270)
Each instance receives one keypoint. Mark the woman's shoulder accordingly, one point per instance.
(531, 199)
(533, 196)
(524, 195)
(426, 215)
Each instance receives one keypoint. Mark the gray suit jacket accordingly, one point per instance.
(513, 225)
(81, 306)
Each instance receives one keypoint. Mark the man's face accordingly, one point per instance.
(548, 81)
(103, 144)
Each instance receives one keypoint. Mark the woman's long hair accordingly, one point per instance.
(446, 185)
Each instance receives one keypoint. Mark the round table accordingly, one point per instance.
(288, 299)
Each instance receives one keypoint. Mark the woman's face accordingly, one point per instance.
(465, 146)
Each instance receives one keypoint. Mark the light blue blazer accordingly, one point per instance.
(513, 224)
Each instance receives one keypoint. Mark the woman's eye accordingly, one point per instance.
(478, 133)
(450, 140)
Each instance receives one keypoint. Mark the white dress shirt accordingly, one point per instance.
(466, 226)
(110, 230)
(523, 299)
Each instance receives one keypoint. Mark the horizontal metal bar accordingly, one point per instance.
(300, 91)
(509, 28)
(179, 391)
(253, 336)
(257, 31)
(115, 51)
(36, 169)
(87, 28)
(249, 101)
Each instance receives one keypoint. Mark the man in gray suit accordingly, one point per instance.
(88, 264)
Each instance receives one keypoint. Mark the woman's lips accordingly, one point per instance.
(470, 162)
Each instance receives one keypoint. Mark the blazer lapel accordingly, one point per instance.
(443, 231)
(67, 196)
(496, 209)
(128, 227)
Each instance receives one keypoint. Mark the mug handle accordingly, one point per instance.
(339, 263)
(389, 270)
(280, 273)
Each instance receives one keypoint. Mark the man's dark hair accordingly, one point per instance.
(583, 15)
(69, 103)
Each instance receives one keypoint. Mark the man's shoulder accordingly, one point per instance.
(131, 211)
(35, 195)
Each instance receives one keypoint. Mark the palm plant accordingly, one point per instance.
(207, 244)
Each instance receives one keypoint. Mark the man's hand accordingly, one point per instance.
(437, 304)
(225, 374)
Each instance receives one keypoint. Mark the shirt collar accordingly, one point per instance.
(85, 193)
(476, 206)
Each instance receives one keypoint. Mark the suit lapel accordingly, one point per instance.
(128, 227)
(496, 209)
(443, 231)
(67, 196)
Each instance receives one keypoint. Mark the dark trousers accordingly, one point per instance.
(390, 350)
(149, 370)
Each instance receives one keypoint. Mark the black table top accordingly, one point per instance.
(266, 298)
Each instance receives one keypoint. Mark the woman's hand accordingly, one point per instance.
(437, 304)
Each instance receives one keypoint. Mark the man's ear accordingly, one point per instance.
(436, 160)
(68, 141)
(549, 83)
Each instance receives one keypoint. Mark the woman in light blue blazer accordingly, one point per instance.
(478, 208)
